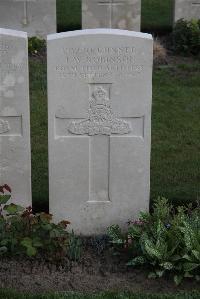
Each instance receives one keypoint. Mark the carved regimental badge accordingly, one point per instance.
(4, 126)
(101, 120)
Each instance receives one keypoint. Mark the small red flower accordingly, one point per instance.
(7, 188)
(1, 189)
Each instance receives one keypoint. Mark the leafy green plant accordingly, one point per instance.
(36, 45)
(167, 240)
(74, 249)
(186, 37)
(23, 232)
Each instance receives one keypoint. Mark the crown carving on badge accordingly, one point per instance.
(100, 97)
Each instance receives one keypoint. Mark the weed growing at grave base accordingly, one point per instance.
(159, 53)
(24, 233)
(167, 240)
(36, 46)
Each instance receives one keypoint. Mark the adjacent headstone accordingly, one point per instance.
(15, 158)
(118, 14)
(36, 17)
(186, 9)
(99, 89)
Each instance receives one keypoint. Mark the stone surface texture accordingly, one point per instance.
(15, 158)
(99, 92)
(36, 17)
(186, 9)
(117, 14)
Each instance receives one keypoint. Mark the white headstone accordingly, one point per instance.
(186, 9)
(99, 89)
(121, 14)
(36, 17)
(15, 160)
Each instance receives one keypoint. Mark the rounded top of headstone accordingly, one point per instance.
(98, 31)
(11, 32)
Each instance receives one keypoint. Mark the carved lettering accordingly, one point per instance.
(99, 62)
(98, 50)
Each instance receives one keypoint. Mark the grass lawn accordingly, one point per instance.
(12, 295)
(39, 133)
(156, 15)
(175, 165)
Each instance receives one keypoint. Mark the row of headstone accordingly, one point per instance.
(120, 14)
(38, 17)
(186, 9)
(15, 157)
(99, 101)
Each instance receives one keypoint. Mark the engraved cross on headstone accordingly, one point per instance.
(111, 4)
(100, 125)
(25, 20)
(11, 125)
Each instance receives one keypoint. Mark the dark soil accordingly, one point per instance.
(95, 272)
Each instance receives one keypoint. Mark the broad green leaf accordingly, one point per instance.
(4, 199)
(178, 279)
(139, 260)
(37, 242)
(196, 254)
(26, 242)
(31, 251)
(160, 273)
(190, 266)
(167, 265)
(187, 257)
(151, 249)
(13, 209)
(175, 257)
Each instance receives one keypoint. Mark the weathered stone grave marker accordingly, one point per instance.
(122, 14)
(186, 9)
(111, 5)
(25, 20)
(15, 160)
(36, 17)
(99, 88)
